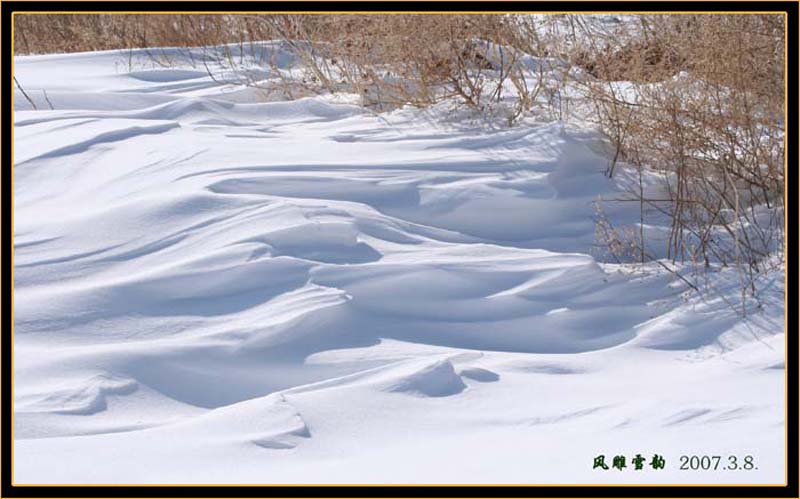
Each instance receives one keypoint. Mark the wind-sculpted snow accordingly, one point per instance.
(313, 293)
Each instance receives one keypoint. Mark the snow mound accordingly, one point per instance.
(87, 397)
(436, 379)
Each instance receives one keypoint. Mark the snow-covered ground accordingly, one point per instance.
(210, 288)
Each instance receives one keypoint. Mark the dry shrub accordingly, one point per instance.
(61, 33)
(712, 128)
(393, 60)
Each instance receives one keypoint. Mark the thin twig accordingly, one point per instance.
(33, 104)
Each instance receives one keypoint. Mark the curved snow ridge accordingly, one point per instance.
(436, 379)
(83, 398)
(330, 242)
(164, 75)
(274, 422)
(270, 422)
(188, 110)
(108, 131)
(300, 110)
(185, 290)
(77, 104)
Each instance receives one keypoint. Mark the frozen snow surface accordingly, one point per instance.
(215, 288)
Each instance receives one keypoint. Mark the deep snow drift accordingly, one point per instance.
(210, 288)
